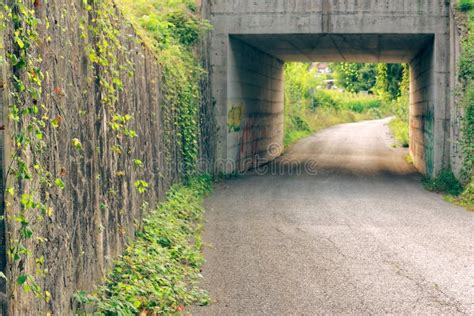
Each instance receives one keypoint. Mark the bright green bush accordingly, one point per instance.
(322, 99)
(354, 102)
(354, 77)
(468, 132)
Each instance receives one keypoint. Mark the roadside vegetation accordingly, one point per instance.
(465, 196)
(398, 106)
(461, 191)
(160, 270)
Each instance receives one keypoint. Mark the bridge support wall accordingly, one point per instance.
(252, 39)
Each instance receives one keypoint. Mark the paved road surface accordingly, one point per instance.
(361, 236)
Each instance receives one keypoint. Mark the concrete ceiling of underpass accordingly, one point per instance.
(370, 48)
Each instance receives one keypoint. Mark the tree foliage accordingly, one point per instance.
(354, 77)
(382, 79)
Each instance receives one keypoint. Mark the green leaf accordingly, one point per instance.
(26, 233)
(22, 279)
(59, 183)
(138, 163)
(76, 143)
(20, 42)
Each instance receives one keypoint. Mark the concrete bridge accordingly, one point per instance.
(252, 39)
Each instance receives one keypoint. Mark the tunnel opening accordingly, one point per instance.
(255, 88)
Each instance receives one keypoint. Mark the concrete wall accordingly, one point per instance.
(421, 109)
(254, 105)
(350, 30)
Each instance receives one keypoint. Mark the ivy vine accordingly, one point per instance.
(28, 199)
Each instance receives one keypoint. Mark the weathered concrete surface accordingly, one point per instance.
(360, 236)
(256, 99)
(415, 32)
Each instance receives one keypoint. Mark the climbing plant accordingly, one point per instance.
(31, 179)
(30, 182)
(172, 28)
(466, 76)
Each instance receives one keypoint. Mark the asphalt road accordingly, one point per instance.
(357, 234)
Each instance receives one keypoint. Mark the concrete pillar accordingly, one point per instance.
(441, 104)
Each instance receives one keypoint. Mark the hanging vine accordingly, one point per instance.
(28, 195)
(103, 48)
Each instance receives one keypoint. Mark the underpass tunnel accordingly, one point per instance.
(255, 89)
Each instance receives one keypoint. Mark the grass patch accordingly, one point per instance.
(399, 129)
(353, 102)
(159, 272)
(293, 136)
(446, 182)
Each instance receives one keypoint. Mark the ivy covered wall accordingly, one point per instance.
(93, 141)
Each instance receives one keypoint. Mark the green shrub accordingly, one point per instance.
(466, 5)
(445, 182)
(322, 99)
(467, 197)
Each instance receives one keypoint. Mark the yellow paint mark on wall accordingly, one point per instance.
(234, 118)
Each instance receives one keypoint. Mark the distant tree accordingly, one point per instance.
(383, 79)
(394, 78)
(390, 81)
(354, 77)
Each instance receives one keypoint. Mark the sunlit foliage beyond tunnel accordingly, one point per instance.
(319, 95)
